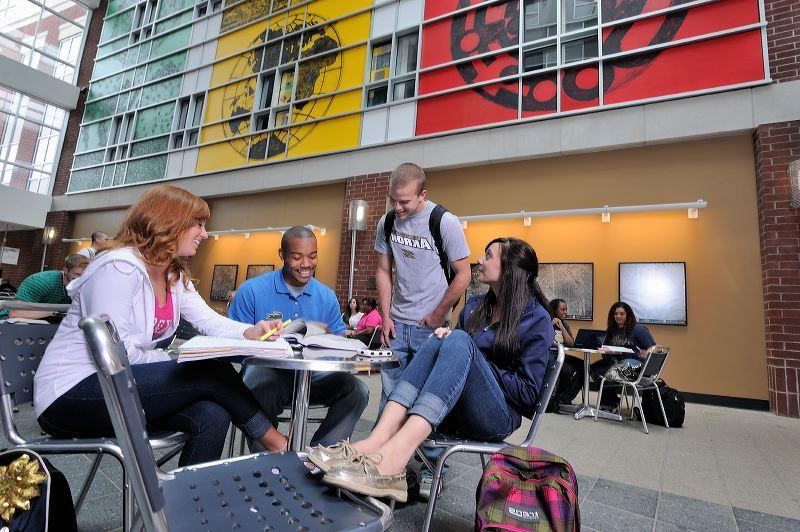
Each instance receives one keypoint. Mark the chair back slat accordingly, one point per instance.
(656, 358)
(22, 347)
(127, 416)
(548, 384)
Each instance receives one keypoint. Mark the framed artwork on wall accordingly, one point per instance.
(254, 270)
(223, 281)
(574, 283)
(475, 287)
(656, 291)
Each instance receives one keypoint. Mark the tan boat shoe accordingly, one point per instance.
(361, 476)
(325, 457)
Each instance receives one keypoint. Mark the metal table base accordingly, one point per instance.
(585, 408)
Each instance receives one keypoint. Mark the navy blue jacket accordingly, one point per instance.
(522, 382)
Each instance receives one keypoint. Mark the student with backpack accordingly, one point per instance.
(477, 381)
(427, 246)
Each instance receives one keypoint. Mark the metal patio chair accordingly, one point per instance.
(22, 347)
(256, 492)
(452, 446)
(646, 380)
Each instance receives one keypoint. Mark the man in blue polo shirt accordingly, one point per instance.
(293, 292)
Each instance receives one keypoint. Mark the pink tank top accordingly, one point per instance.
(164, 316)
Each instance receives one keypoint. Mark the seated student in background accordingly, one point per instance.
(623, 331)
(293, 292)
(570, 380)
(99, 242)
(351, 314)
(49, 286)
(143, 285)
(477, 381)
(370, 318)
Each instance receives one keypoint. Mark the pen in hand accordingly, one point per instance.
(267, 334)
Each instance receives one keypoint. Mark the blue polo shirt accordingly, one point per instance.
(268, 293)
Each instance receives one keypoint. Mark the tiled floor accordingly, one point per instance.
(725, 469)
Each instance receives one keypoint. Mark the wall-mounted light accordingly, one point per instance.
(693, 213)
(605, 216)
(323, 231)
(527, 221)
(247, 236)
(464, 224)
(358, 212)
(216, 237)
(48, 237)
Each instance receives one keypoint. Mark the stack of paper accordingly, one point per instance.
(206, 347)
(616, 349)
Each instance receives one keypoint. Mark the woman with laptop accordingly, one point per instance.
(141, 283)
(570, 379)
(626, 333)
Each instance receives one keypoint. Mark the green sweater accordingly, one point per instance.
(42, 287)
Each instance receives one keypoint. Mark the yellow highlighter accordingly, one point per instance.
(273, 331)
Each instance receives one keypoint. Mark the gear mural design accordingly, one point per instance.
(316, 76)
(496, 26)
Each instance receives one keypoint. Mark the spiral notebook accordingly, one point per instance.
(207, 347)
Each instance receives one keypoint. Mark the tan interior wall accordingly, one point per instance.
(721, 351)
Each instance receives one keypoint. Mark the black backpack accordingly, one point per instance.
(434, 226)
(674, 406)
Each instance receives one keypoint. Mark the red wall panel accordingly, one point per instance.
(483, 69)
(619, 9)
(579, 88)
(464, 109)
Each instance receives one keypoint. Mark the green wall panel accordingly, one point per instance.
(149, 169)
(154, 121)
(163, 90)
(93, 136)
(172, 41)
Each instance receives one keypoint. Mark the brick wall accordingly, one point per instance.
(783, 36)
(775, 146)
(31, 248)
(374, 188)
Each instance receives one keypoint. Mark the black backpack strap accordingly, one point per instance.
(435, 227)
(388, 225)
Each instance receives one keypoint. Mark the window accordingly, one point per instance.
(393, 67)
(264, 104)
(188, 115)
(583, 47)
(579, 14)
(119, 137)
(539, 58)
(540, 19)
(286, 87)
(206, 7)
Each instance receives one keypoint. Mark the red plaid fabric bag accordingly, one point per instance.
(524, 489)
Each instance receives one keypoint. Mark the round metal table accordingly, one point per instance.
(585, 408)
(303, 362)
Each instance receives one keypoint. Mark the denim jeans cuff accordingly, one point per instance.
(256, 426)
(404, 394)
(431, 407)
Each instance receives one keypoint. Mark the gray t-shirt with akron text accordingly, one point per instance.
(419, 281)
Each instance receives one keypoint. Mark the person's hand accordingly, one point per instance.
(387, 331)
(442, 332)
(557, 323)
(261, 328)
(432, 320)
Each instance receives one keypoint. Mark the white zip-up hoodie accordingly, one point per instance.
(116, 283)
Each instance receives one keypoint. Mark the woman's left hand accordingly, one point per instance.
(261, 328)
(442, 332)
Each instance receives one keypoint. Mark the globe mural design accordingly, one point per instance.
(321, 74)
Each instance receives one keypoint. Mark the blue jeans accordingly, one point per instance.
(345, 396)
(407, 341)
(449, 383)
(198, 398)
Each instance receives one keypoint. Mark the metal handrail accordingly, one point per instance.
(9, 304)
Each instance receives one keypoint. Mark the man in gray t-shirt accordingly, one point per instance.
(421, 299)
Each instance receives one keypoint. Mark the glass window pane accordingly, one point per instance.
(282, 118)
(85, 179)
(580, 48)
(168, 7)
(68, 10)
(539, 58)
(149, 169)
(266, 91)
(183, 113)
(381, 57)
(377, 95)
(115, 6)
(93, 136)
(20, 19)
(116, 26)
(147, 147)
(403, 90)
(111, 47)
(406, 54)
(100, 109)
(104, 87)
(287, 83)
(197, 113)
(164, 67)
(272, 54)
(88, 159)
(578, 14)
(173, 22)
(171, 41)
(154, 121)
(55, 31)
(14, 50)
(110, 65)
(540, 19)
(158, 92)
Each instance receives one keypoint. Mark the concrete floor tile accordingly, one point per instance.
(585, 485)
(100, 514)
(763, 519)
(601, 517)
(625, 497)
(458, 500)
(694, 514)
(661, 526)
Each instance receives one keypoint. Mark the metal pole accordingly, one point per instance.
(3, 251)
(352, 266)
(44, 254)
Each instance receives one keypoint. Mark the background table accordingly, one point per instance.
(303, 362)
(585, 409)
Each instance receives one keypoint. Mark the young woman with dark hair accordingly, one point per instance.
(622, 331)
(351, 314)
(476, 381)
(570, 379)
(142, 283)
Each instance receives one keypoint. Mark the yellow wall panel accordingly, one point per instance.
(328, 135)
(243, 38)
(219, 156)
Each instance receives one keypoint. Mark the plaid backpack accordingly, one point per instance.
(525, 489)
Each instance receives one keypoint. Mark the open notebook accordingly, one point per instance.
(206, 347)
(312, 334)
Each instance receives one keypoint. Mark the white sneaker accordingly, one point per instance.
(425, 485)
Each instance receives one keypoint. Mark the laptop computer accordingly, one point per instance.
(589, 338)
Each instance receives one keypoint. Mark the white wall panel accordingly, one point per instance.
(373, 127)
(174, 161)
(383, 20)
(401, 121)
(409, 14)
(189, 162)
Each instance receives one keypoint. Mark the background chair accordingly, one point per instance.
(256, 492)
(452, 446)
(22, 346)
(646, 380)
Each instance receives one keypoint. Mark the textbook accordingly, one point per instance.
(207, 347)
(616, 350)
(312, 334)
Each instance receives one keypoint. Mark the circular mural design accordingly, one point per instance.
(316, 76)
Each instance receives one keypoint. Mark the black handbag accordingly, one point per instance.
(50, 509)
(674, 405)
